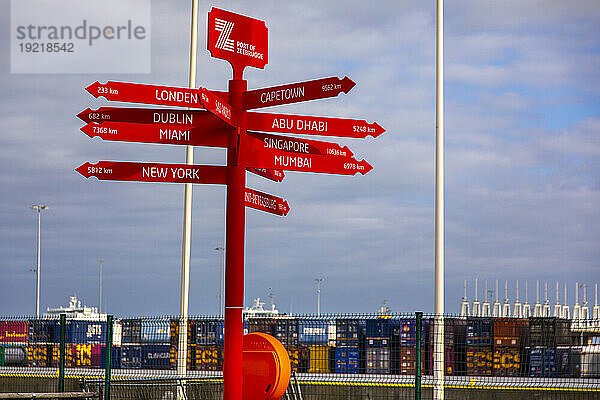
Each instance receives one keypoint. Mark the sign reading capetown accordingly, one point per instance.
(241, 40)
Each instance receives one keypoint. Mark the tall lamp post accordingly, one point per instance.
(38, 208)
(100, 288)
(318, 281)
(220, 250)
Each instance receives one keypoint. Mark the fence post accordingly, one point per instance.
(419, 321)
(61, 361)
(108, 356)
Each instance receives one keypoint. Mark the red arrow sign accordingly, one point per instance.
(155, 172)
(183, 118)
(275, 159)
(276, 175)
(164, 134)
(266, 202)
(297, 92)
(217, 106)
(307, 125)
(286, 144)
(241, 40)
(150, 94)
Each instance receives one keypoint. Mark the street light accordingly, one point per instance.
(221, 250)
(318, 281)
(100, 288)
(38, 208)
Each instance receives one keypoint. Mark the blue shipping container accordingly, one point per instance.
(312, 331)
(479, 331)
(349, 332)
(156, 356)
(379, 332)
(209, 332)
(115, 357)
(347, 360)
(405, 331)
(131, 356)
(542, 362)
(156, 331)
(41, 330)
(86, 332)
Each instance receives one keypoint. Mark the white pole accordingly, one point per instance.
(221, 250)
(438, 368)
(38, 208)
(319, 280)
(100, 288)
(187, 221)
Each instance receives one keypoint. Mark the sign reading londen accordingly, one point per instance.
(241, 40)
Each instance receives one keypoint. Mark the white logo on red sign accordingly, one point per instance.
(225, 27)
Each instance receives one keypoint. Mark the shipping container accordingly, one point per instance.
(84, 332)
(313, 332)
(77, 355)
(568, 362)
(350, 332)
(209, 358)
(39, 355)
(209, 332)
(319, 359)
(404, 332)
(13, 356)
(404, 360)
(286, 331)
(191, 356)
(41, 330)
(299, 357)
(115, 357)
(131, 331)
(347, 360)
(479, 360)
(155, 356)
(542, 362)
(13, 332)
(507, 361)
(117, 337)
(590, 361)
(131, 356)
(449, 360)
(378, 360)
(549, 332)
(155, 331)
(479, 331)
(192, 330)
(264, 325)
(379, 332)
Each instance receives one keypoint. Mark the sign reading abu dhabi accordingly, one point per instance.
(79, 36)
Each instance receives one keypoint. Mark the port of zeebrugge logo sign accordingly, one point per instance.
(241, 40)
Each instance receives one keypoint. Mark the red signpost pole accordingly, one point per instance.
(234, 263)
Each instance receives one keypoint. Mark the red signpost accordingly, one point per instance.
(154, 172)
(266, 202)
(307, 125)
(242, 41)
(297, 92)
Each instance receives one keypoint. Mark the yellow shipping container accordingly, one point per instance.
(319, 359)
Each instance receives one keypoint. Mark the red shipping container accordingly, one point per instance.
(509, 332)
(479, 360)
(408, 360)
(507, 361)
(13, 331)
(449, 360)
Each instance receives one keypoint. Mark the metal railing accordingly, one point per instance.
(334, 355)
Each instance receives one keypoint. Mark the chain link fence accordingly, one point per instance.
(345, 356)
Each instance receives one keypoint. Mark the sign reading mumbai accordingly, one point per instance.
(241, 40)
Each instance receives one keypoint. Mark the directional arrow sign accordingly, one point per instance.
(258, 141)
(155, 172)
(297, 92)
(276, 175)
(266, 202)
(164, 134)
(150, 94)
(163, 95)
(275, 159)
(306, 125)
(183, 118)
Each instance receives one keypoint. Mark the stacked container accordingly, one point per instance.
(454, 346)
(13, 343)
(40, 340)
(479, 346)
(350, 346)
(210, 336)
(545, 337)
(172, 346)
(508, 345)
(379, 345)
(313, 334)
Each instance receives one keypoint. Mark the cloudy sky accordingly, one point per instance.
(522, 163)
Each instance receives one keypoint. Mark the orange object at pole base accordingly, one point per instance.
(267, 367)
